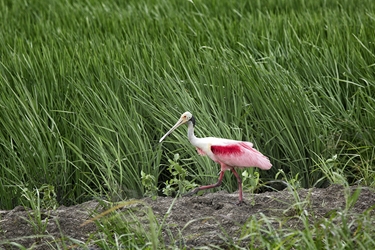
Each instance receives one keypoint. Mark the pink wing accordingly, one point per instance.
(240, 154)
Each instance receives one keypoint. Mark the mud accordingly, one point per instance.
(210, 219)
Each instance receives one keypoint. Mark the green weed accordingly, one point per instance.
(178, 184)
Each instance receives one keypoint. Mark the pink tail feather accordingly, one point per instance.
(262, 161)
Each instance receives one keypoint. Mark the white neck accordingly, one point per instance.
(191, 136)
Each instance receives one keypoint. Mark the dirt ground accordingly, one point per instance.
(213, 217)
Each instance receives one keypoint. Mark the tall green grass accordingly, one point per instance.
(88, 87)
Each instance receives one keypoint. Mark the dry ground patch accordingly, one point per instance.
(212, 218)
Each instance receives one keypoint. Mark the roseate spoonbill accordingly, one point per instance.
(228, 153)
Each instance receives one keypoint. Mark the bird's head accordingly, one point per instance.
(185, 117)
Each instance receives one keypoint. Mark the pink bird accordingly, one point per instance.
(228, 153)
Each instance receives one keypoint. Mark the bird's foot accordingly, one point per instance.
(194, 191)
(240, 203)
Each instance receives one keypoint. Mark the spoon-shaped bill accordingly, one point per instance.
(180, 122)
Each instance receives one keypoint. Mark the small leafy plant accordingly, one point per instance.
(250, 180)
(178, 183)
(149, 183)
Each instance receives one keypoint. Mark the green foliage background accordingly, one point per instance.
(88, 87)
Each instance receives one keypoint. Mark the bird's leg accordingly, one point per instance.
(239, 181)
(218, 183)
